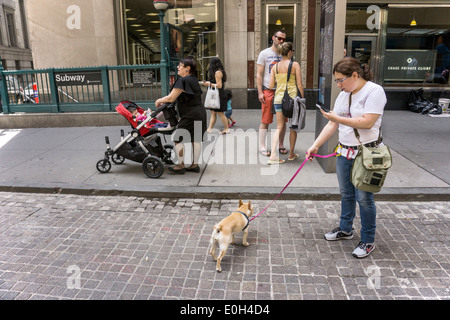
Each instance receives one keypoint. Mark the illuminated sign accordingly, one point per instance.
(409, 65)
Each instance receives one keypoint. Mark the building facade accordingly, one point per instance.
(15, 49)
(403, 55)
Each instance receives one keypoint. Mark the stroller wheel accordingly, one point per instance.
(103, 166)
(169, 154)
(153, 167)
(117, 158)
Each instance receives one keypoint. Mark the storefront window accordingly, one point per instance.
(362, 19)
(191, 29)
(417, 45)
(362, 30)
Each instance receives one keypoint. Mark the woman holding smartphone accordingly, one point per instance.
(359, 106)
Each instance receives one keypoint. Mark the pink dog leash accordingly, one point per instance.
(292, 179)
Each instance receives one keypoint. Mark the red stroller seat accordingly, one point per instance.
(122, 109)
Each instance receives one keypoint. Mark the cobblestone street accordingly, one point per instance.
(55, 246)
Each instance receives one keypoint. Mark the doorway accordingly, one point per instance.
(362, 48)
(280, 17)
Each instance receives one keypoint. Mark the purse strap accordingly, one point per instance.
(355, 130)
(289, 73)
(288, 76)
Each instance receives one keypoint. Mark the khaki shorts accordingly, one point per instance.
(266, 108)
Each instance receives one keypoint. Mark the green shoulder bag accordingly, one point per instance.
(369, 170)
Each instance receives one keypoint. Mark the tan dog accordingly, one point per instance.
(225, 230)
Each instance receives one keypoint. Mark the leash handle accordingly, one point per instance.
(292, 179)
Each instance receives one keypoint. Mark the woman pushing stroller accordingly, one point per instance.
(192, 126)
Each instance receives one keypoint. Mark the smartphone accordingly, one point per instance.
(322, 108)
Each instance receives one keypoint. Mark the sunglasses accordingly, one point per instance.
(280, 38)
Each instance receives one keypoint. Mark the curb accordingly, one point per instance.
(315, 194)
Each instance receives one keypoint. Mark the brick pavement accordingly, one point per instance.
(56, 246)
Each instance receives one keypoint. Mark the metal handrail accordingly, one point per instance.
(38, 91)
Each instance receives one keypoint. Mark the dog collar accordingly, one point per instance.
(248, 221)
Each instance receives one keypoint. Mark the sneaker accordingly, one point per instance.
(338, 234)
(363, 250)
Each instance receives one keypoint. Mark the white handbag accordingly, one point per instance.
(212, 100)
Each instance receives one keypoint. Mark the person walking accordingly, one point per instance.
(192, 125)
(229, 95)
(279, 76)
(359, 106)
(218, 77)
(266, 60)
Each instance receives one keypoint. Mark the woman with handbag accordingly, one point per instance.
(192, 125)
(359, 106)
(290, 82)
(218, 77)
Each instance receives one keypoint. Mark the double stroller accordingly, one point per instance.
(143, 144)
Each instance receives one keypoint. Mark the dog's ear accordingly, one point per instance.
(240, 202)
(250, 205)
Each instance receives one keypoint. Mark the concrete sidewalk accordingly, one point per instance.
(63, 160)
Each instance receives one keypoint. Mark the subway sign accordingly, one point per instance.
(78, 78)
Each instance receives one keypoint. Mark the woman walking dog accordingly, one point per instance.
(359, 106)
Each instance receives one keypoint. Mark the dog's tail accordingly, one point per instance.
(215, 234)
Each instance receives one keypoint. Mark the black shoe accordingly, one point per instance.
(178, 171)
(338, 234)
(193, 169)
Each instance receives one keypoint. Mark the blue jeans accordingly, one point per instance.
(349, 196)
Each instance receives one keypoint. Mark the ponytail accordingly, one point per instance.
(366, 74)
(284, 48)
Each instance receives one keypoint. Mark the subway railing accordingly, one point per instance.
(81, 89)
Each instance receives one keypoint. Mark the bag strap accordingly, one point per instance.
(289, 72)
(355, 130)
(288, 76)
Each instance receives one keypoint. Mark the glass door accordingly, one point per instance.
(280, 17)
(362, 48)
(206, 50)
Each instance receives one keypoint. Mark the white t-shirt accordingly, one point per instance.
(267, 58)
(370, 99)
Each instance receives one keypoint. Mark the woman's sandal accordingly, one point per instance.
(283, 150)
(265, 153)
(278, 161)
